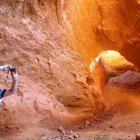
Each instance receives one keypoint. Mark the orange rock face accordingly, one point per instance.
(51, 43)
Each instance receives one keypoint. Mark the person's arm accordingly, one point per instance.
(14, 85)
(2, 67)
(5, 67)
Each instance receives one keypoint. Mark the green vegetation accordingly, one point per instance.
(104, 137)
(112, 74)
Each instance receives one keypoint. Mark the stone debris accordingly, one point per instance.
(111, 126)
(64, 135)
(45, 138)
(87, 123)
(60, 129)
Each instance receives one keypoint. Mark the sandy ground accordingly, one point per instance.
(120, 120)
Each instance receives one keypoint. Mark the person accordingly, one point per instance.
(13, 89)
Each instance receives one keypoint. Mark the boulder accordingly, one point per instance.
(129, 80)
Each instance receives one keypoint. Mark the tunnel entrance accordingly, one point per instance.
(122, 80)
(119, 71)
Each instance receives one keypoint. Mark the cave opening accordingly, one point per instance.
(121, 85)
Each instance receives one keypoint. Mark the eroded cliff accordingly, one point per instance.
(52, 44)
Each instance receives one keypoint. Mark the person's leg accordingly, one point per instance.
(0, 104)
(2, 91)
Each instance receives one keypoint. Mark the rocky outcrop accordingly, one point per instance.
(128, 80)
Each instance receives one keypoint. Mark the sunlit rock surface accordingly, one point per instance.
(114, 63)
